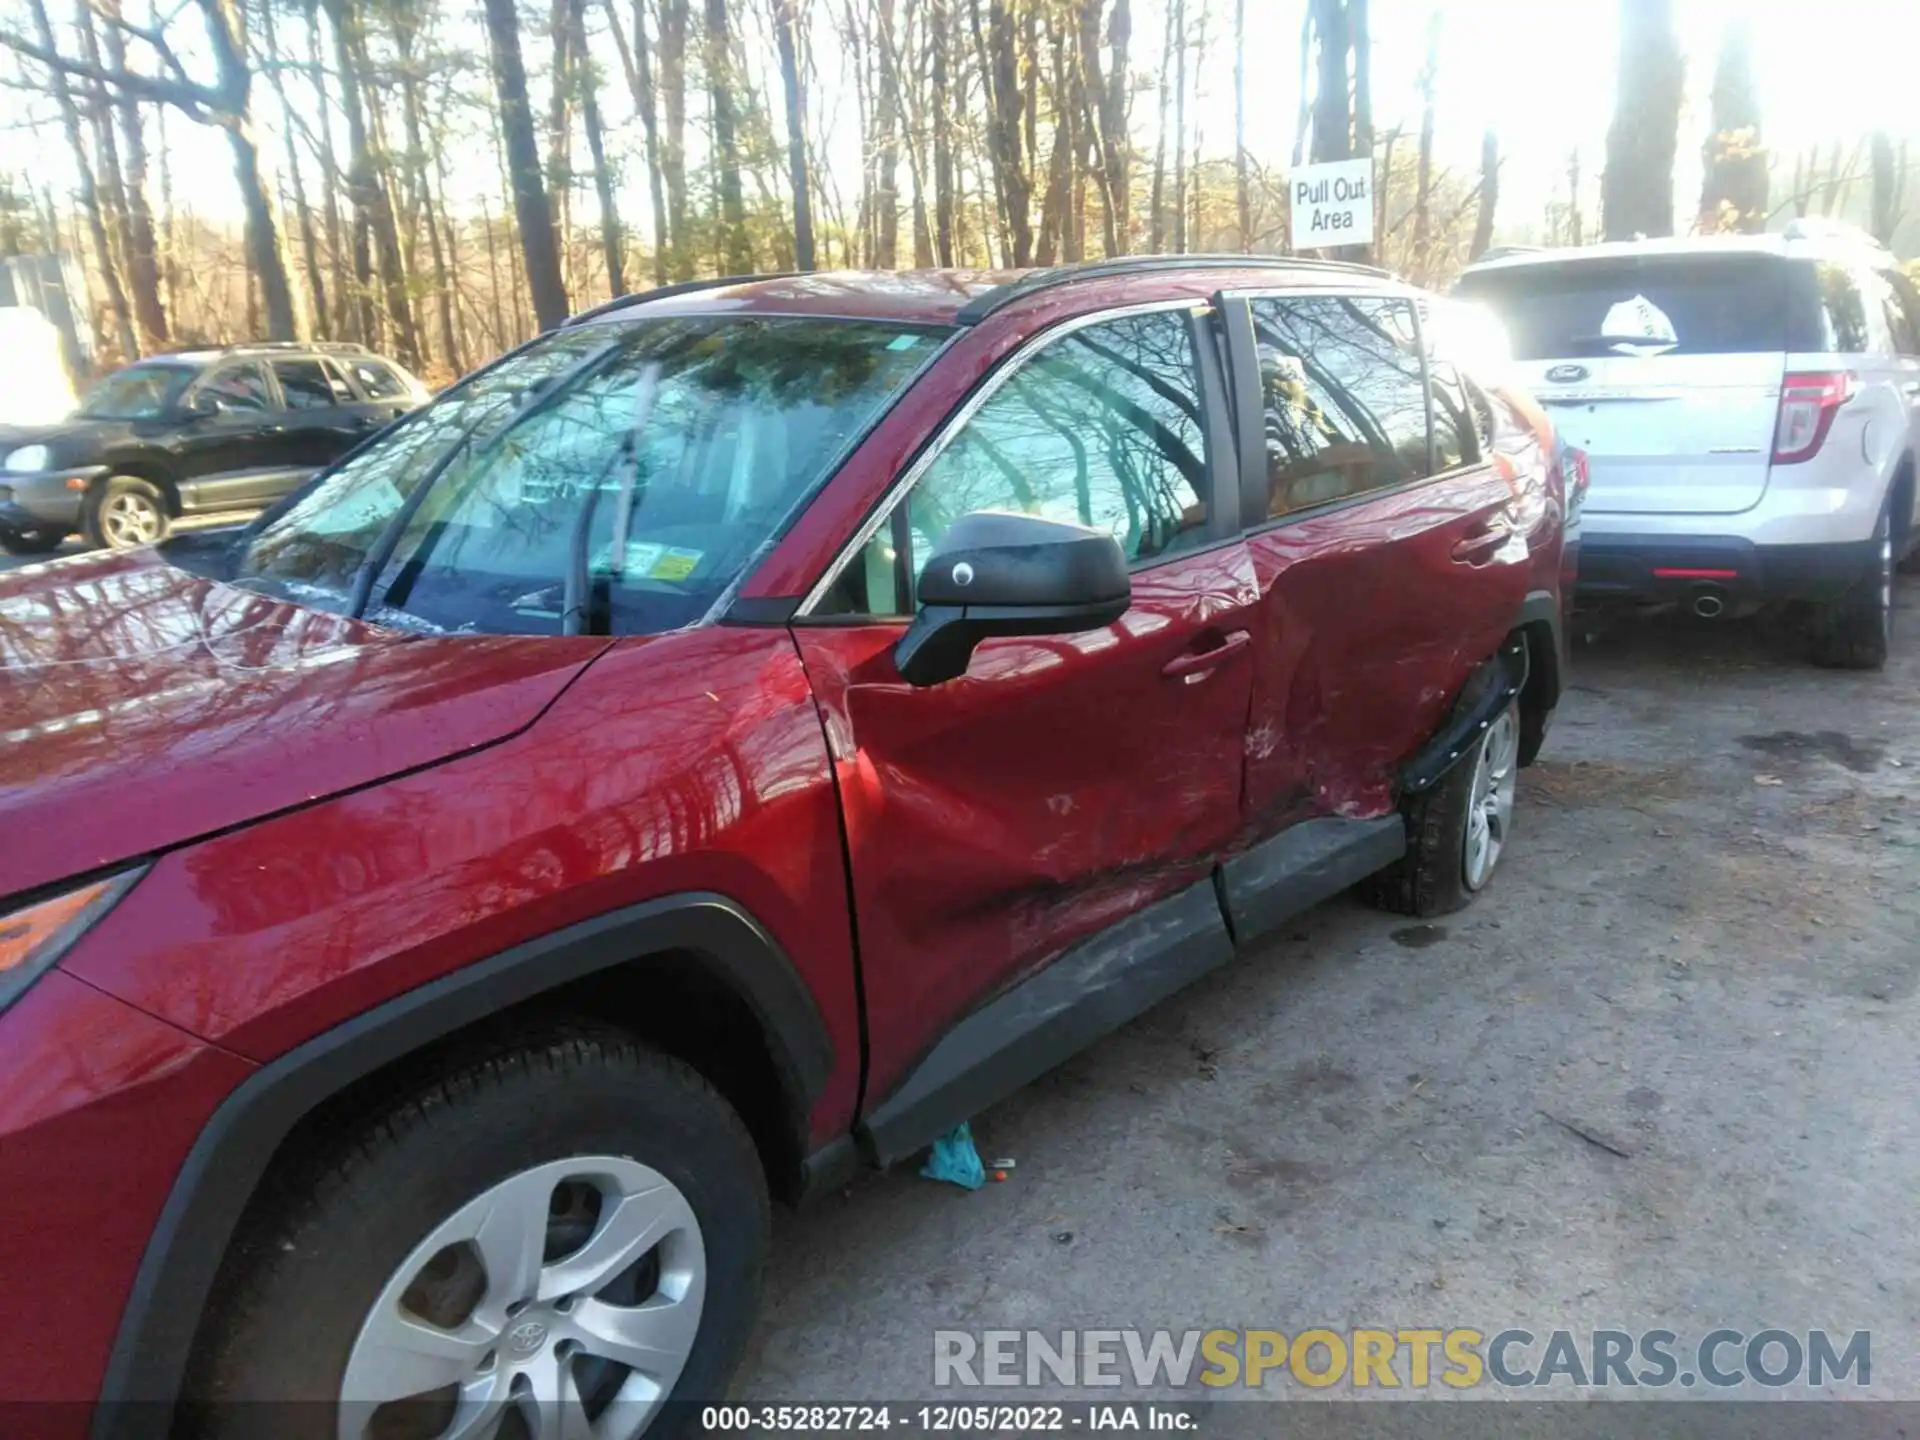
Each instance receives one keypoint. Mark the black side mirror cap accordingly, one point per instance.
(1005, 574)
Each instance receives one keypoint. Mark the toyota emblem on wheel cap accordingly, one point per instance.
(1568, 374)
(527, 1337)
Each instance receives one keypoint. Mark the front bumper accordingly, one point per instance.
(45, 500)
(1659, 568)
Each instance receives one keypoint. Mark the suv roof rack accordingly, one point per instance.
(1822, 227)
(662, 292)
(1035, 281)
(323, 347)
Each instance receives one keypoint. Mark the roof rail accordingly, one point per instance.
(662, 292)
(1035, 281)
(325, 347)
(1822, 227)
(1501, 252)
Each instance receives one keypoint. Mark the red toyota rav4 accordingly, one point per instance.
(731, 739)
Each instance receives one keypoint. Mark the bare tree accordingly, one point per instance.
(1489, 195)
(1636, 192)
(531, 212)
(786, 26)
(1734, 195)
(1889, 186)
(735, 246)
(638, 64)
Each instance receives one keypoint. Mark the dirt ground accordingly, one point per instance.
(1662, 1075)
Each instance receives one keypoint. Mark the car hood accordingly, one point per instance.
(73, 441)
(142, 706)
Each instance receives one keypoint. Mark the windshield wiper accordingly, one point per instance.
(538, 399)
(574, 600)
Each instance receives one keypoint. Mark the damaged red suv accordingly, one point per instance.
(729, 740)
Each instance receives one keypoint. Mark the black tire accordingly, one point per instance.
(332, 1226)
(30, 542)
(99, 521)
(1431, 878)
(1856, 631)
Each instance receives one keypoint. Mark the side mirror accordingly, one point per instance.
(1003, 574)
(200, 404)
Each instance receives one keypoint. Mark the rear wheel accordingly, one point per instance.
(1856, 631)
(124, 511)
(550, 1239)
(1458, 831)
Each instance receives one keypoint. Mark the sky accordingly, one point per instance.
(1539, 71)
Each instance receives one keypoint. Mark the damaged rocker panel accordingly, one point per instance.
(1106, 980)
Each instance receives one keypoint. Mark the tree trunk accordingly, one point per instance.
(673, 148)
(303, 213)
(1889, 186)
(89, 190)
(944, 207)
(113, 189)
(1156, 203)
(1734, 195)
(1636, 192)
(1332, 113)
(612, 238)
(530, 209)
(1107, 94)
(1056, 207)
(1423, 176)
(1489, 195)
(786, 28)
(143, 267)
(736, 250)
(560, 98)
(1242, 186)
(638, 64)
(329, 169)
(886, 154)
(365, 186)
(1180, 127)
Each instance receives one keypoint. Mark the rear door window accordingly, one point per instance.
(1345, 400)
(1843, 312)
(377, 380)
(306, 385)
(1659, 305)
(1902, 306)
(1456, 422)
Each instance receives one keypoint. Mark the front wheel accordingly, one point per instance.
(1458, 831)
(124, 511)
(552, 1238)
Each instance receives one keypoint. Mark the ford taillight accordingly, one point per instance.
(1577, 477)
(1808, 402)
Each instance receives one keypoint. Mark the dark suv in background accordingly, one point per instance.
(195, 433)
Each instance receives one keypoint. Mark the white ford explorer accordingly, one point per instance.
(1750, 407)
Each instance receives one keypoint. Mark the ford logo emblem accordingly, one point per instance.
(1568, 374)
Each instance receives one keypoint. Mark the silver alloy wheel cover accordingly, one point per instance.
(129, 519)
(516, 1348)
(1496, 775)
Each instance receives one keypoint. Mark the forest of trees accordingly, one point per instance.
(991, 133)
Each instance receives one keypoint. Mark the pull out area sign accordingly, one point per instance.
(1332, 204)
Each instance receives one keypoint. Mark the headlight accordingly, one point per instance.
(28, 457)
(35, 936)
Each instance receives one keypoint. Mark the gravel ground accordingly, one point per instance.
(1662, 1075)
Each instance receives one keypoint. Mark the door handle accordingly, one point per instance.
(1478, 546)
(1913, 388)
(1193, 663)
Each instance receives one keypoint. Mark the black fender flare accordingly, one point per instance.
(221, 1173)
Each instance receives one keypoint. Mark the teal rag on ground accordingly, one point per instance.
(955, 1161)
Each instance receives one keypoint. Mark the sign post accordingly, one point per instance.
(1332, 204)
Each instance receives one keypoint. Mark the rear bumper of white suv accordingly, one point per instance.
(1732, 568)
(1806, 539)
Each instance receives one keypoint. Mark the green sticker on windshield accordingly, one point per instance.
(903, 342)
(675, 565)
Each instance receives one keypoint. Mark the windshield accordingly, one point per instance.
(140, 392)
(1660, 305)
(613, 478)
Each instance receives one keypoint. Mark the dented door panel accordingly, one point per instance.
(1060, 785)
